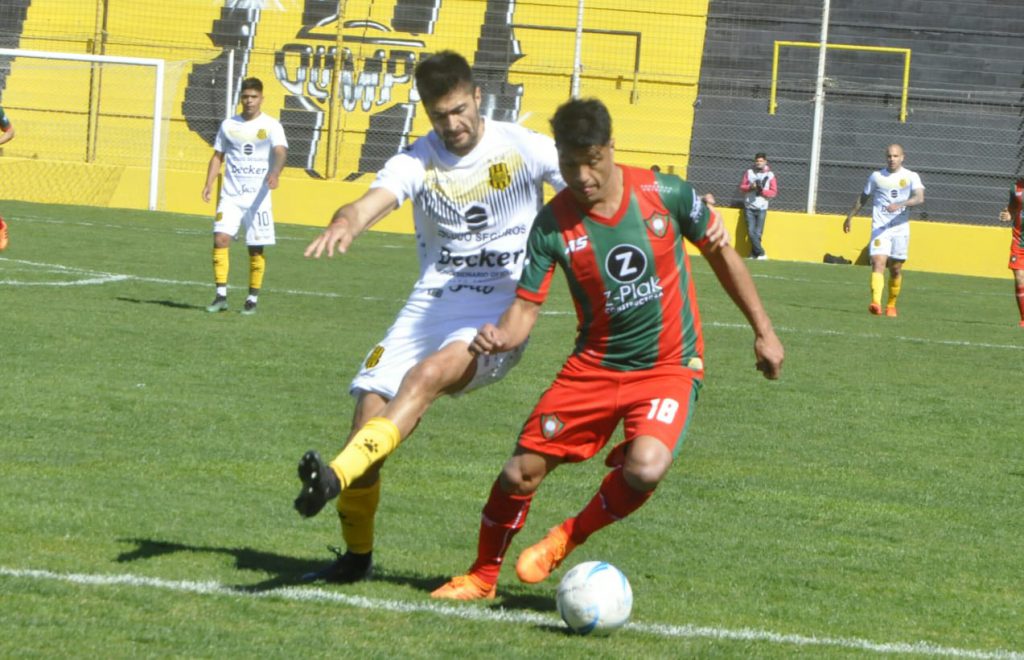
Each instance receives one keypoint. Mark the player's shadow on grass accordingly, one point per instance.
(288, 571)
(163, 303)
(285, 570)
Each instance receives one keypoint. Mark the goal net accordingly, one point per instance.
(88, 127)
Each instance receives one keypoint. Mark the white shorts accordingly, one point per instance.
(426, 325)
(892, 242)
(255, 213)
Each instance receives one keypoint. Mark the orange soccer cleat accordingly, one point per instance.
(891, 311)
(875, 309)
(466, 587)
(536, 562)
(3, 235)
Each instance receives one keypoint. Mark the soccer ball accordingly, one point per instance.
(594, 597)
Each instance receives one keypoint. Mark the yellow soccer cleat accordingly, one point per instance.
(875, 309)
(536, 562)
(466, 587)
(891, 311)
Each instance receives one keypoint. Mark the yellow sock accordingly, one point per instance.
(375, 441)
(257, 266)
(877, 284)
(895, 284)
(357, 508)
(220, 265)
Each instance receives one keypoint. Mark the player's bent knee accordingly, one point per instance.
(518, 481)
(646, 464)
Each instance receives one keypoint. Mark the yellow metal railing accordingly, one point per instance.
(874, 49)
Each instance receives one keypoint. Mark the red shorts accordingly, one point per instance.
(576, 416)
(1016, 257)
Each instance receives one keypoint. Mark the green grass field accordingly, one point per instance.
(868, 503)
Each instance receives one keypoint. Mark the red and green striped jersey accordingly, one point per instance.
(1015, 207)
(629, 274)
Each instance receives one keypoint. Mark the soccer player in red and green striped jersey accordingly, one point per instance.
(1013, 213)
(617, 233)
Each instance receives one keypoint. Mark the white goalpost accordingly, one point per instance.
(158, 66)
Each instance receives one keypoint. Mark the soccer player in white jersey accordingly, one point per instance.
(253, 148)
(894, 189)
(475, 185)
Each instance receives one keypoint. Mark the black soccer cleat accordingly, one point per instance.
(249, 308)
(348, 567)
(319, 484)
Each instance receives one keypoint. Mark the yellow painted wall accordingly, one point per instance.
(934, 247)
(652, 107)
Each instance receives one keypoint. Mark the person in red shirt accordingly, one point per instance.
(6, 135)
(1012, 213)
(617, 233)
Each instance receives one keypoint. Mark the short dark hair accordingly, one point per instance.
(252, 83)
(760, 154)
(581, 124)
(441, 73)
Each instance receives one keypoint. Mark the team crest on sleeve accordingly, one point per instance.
(261, 134)
(373, 359)
(500, 176)
(550, 425)
(657, 224)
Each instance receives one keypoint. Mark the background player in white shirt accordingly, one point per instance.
(253, 148)
(894, 189)
(475, 186)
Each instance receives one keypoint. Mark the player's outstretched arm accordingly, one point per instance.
(512, 330)
(732, 273)
(351, 220)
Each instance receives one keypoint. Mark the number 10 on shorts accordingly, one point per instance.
(663, 410)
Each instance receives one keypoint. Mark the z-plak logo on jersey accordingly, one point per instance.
(500, 176)
(657, 224)
(550, 426)
(626, 263)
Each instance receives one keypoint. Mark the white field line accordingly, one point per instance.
(157, 228)
(478, 613)
(92, 277)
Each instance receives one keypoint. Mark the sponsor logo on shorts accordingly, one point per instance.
(550, 425)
